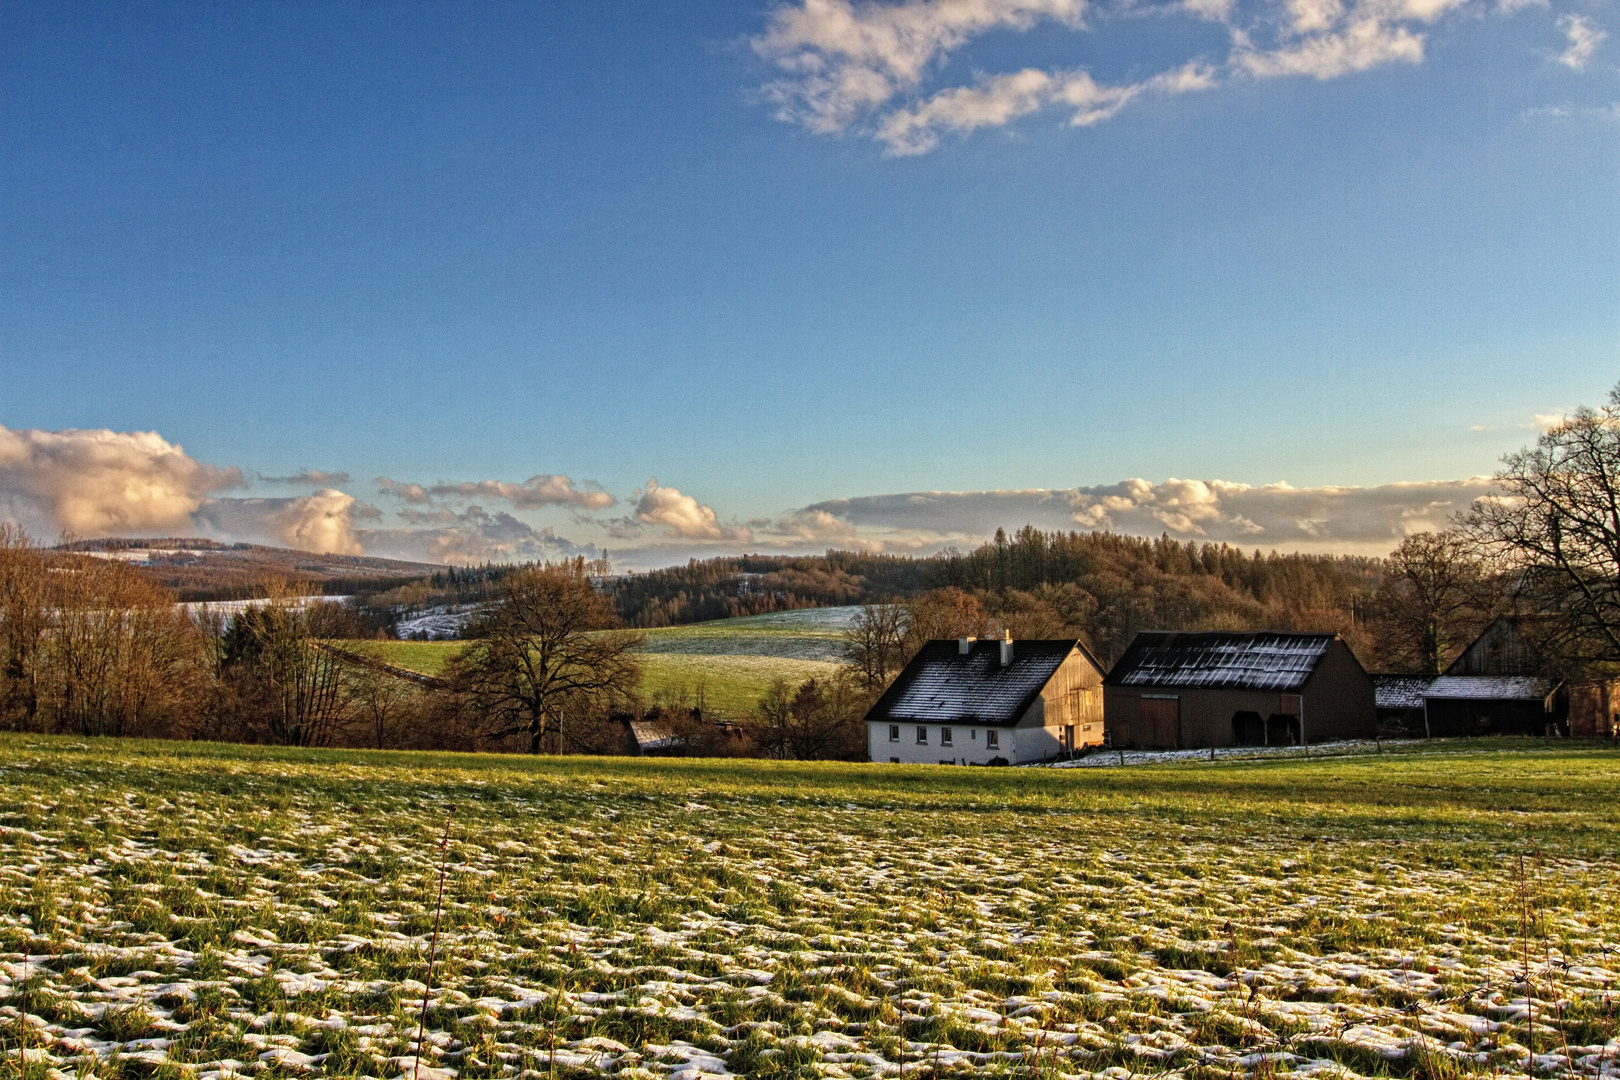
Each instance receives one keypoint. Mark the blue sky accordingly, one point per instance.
(785, 256)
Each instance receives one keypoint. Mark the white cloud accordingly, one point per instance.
(102, 483)
(865, 67)
(546, 489)
(682, 515)
(321, 522)
(411, 493)
(1364, 43)
(1570, 114)
(307, 478)
(846, 59)
(551, 489)
(1584, 38)
(997, 101)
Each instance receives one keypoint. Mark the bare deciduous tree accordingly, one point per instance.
(820, 719)
(874, 644)
(381, 700)
(1556, 529)
(23, 623)
(546, 649)
(1431, 602)
(882, 638)
(289, 690)
(88, 646)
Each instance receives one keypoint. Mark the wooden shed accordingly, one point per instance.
(1174, 690)
(1498, 686)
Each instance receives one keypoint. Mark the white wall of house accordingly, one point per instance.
(970, 744)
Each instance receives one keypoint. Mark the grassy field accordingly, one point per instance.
(174, 910)
(729, 663)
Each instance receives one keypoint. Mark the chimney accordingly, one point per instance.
(1006, 647)
(964, 645)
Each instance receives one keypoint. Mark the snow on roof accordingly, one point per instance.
(1269, 661)
(650, 735)
(941, 686)
(1489, 688)
(1400, 691)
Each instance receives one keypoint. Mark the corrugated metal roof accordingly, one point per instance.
(1489, 688)
(1268, 661)
(940, 686)
(1400, 691)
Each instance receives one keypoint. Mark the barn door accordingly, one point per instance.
(1161, 723)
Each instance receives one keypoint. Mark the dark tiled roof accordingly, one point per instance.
(940, 686)
(1268, 661)
(1400, 691)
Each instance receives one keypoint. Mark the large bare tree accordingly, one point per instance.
(1431, 602)
(546, 649)
(1556, 529)
(882, 638)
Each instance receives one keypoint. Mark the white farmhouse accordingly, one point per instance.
(992, 702)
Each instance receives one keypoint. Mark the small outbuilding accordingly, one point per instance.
(1174, 690)
(991, 702)
(1399, 700)
(1498, 686)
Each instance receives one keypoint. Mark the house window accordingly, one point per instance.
(894, 761)
(945, 736)
(922, 735)
(894, 732)
(992, 740)
(975, 733)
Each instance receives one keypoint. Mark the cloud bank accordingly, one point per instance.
(867, 66)
(1351, 520)
(107, 483)
(97, 483)
(471, 536)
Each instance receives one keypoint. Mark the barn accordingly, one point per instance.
(1173, 690)
(1498, 686)
(990, 702)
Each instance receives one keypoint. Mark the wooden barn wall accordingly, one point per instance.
(1056, 708)
(1500, 650)
(1338, 704)
(1339, 698)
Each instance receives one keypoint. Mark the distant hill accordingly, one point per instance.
(198, 569)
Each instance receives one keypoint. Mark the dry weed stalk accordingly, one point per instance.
(433, 947)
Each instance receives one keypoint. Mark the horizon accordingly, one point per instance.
(462, 283)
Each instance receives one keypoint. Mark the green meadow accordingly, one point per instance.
(728, 664)
(189, 909)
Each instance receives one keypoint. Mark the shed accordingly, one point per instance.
(1498, 686)
(1399, 701)
(1175, 690)
(990, 702)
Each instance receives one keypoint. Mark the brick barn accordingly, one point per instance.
(1173, 690)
